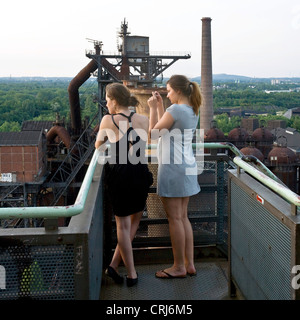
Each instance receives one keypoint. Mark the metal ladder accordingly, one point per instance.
(73, 162)
(6, 192)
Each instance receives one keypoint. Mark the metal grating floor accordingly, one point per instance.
(211, 283)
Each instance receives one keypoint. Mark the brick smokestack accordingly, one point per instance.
(206, 110)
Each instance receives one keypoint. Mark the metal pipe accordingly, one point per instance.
(283, 191)
(218, 145)
(73, 88)
(62, 133)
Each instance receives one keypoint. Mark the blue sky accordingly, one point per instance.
(250, 37)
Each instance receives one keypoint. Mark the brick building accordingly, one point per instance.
(22, 156)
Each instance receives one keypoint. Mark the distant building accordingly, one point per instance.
(288, 136)
(292, 112)
(230, 112)
(275, 81)
(31, 125)
(250, 124)
(273, 124)
(22, 156)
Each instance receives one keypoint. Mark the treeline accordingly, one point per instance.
(226, 123)
(251, 97)
(260, 101)
(41, 100)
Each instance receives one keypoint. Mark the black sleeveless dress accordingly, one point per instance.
(127, 174)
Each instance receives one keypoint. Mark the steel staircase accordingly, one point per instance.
(73, 162)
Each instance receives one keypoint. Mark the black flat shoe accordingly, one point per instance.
(131, 282)
(112, 273)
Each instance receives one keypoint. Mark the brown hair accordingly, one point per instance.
(188, 88)
(120, 93)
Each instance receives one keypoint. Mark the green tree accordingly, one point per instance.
(10, 126)
(226, 124)
(295, 123)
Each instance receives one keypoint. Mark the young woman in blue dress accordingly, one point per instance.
(177, 168)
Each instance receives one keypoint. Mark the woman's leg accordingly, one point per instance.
(117, 258)
(189, 238)
(173, 208)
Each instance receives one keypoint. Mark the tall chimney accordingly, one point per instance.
(206, 110)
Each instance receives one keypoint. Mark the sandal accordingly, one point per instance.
(168, 275)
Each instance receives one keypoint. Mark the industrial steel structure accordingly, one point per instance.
(132, 65)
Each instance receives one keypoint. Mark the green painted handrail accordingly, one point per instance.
(56, 211)
(279, 188)
(250, 159)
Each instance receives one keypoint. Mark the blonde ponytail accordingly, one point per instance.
(188, 88)
(195, 97)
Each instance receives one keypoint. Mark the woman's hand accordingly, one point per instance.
(155, 100)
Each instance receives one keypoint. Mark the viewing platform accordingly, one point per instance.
(210, 283)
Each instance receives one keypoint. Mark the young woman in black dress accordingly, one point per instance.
(128, 176)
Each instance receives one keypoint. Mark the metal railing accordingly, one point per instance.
(277, 187)
(257, 169)
(56, 211)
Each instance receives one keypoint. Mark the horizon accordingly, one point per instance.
(165, 77)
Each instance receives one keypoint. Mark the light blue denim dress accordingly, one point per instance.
(177, 167)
